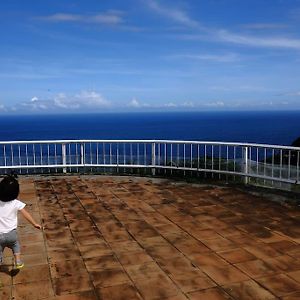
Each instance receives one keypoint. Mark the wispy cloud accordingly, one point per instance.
(2, 107)
(226, 57)
(215, 104)
(260, 41)
(175, 14)
(223, 35)
(292, 94)
(273, 42)
(134, 103)
(262, 26)
(109, 18)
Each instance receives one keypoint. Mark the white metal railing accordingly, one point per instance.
(263, 162)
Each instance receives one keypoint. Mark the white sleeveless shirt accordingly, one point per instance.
(9, 215)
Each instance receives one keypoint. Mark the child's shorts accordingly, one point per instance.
(9, 240)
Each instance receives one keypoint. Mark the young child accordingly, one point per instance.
(9, 207)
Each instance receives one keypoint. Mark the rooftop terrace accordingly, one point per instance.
(139, 238)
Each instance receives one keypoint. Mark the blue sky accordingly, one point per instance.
(145, 55)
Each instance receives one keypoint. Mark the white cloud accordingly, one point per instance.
(34, 99)
(273, 42)
(111, 17)
(293, 94)
(85, 99)
(222, 35)
(227, 57)
(174, 14)
(215, 104)
(188, 104)
(91, 98)
(170, 104)
(134, 103)
(2, 107)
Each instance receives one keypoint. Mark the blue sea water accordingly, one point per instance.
(280, 128)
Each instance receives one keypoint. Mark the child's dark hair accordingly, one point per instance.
(9, 188)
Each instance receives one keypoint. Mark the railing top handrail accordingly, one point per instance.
(152, 141)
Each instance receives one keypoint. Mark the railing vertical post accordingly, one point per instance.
(82, 154)
(153, 158)
(64, 157)
(245, 164)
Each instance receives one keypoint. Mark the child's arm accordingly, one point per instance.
(29, 218)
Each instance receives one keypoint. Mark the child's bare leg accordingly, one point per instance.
(17, 257)
(19, 264)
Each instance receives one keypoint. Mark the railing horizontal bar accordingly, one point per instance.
(152, 141)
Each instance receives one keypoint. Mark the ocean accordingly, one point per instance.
(279, 128)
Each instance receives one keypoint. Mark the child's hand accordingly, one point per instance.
(38, 226)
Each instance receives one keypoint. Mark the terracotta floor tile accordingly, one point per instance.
(120, 235)
(177, 265)
(280, 285)
(33, 290)
(209, 294)
(88, 295)
(192, 283)
(208, 259)
(137, 258)
(273, 237)
(157, 241)
(236, 255)
(102, 262)
(177, 297)
(97, 250)
(33, 248)
(257, 268)
(248, 290)
(164, 252)
(31, 238)
(225, 275)
(191, 247)
(35, 259)
(284, 263)
(52, 243)
(293, 296)
(32, 274)
(144, 271)
(5, 293)
(294, 275)
(91, 240)
(119, 292)
(294, 254)
(262, 251)
(204, 234)
(283, 246)
(219, 244)
(72, 284)
(64, 268)
(109, 277)
(57, 255)
(243, 239)
(7, 253)
(125, 247)
(157, 288)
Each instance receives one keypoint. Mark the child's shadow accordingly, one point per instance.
(5, 269)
